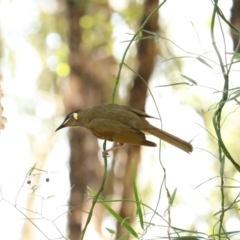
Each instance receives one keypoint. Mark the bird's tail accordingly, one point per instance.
(169, 138)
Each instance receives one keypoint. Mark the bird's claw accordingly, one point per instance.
(105, 154)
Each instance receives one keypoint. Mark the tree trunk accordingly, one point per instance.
(146, 57)
(86, 88)
(235, 20)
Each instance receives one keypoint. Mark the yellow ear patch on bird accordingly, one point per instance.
(75, 116)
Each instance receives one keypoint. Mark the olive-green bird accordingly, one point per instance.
(121, 124)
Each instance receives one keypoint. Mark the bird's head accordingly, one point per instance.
(71, 120)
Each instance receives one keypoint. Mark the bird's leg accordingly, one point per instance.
(105, 153)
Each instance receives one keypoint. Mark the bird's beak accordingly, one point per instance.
(60, 127)
(64, 124)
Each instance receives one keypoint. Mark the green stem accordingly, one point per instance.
(128, 46)
(95, 199)
(217, 122)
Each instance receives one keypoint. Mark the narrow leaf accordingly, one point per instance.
(119, 218)
(51, 196)
(173, 197)
(173, 84)
(34, 188)
(189, 79)
(32, 169)
(138, 204)
(204, 62)
(110, 230)
(114, 214)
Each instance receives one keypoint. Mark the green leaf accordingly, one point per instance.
(173, 84)
(119, 218)
(173, 197)
(114, 214)
(32, 169)
(51, 196)
(138, 204)
(34, 188)
(204, 62)
(189, 79)
(110, 230)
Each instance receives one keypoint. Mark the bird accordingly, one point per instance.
(122, 125)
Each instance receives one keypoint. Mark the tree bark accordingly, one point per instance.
(235, 20)
(146, 57)
(86, 88)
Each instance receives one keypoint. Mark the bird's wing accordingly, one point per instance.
(117, 132)
(138, 112)
(104, 128)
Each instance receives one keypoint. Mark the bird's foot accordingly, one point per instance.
(105, 153)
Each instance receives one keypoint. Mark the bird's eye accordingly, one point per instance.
(75, 116)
